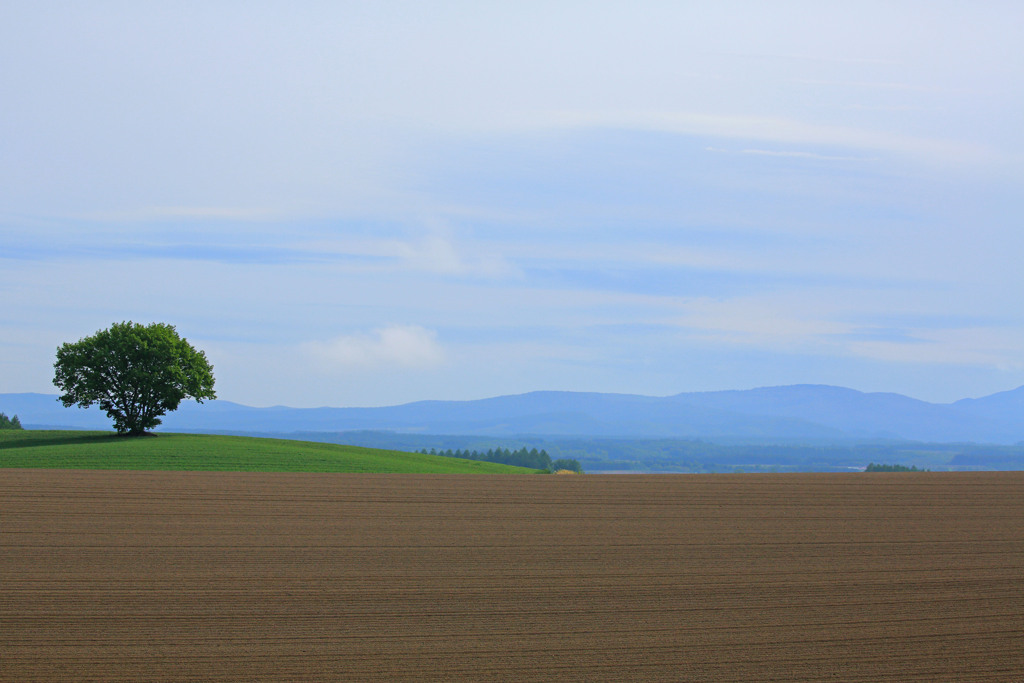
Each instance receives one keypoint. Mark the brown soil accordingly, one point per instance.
(326, 577)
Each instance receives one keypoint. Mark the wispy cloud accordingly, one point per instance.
(436, 250)
(441, 253)
(913, 87)
(823, 60)
(805, 324)
(992, 347)
(405, 346)
(790, 153)
(779, 130)
(159, 213)
(760, 322)
(752, 193)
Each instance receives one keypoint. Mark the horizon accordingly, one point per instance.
(566, 391)
(355, 206)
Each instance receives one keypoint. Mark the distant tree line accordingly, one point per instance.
(534, 459)
(892, 468)
(10, 422)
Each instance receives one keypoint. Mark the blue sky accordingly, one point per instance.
(372, 203)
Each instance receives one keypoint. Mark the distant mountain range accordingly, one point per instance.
(789, 412)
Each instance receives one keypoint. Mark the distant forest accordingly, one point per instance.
(872, 467)
(534, 459)
(9, 422)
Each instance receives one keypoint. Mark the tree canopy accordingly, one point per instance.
(9, 422)
(135, 373)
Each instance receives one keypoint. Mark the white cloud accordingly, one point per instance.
(438, 252)
(791, 153)
(761, 322)
(778, 130)
(405, 346)
(188, 212)
(805, 323)
(977, 346)
(257, 181)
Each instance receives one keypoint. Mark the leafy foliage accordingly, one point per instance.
(9, 422)
(135, 373)
(571, 464)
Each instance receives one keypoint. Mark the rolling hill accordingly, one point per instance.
(200, 452)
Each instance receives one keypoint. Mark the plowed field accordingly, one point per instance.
(219, 576)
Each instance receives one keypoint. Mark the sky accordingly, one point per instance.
(361, 204)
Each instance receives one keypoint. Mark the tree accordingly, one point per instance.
(9, 422)
(135, 373)
(571, 464)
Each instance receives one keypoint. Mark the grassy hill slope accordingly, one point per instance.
(106, 451)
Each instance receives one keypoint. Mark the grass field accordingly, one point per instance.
(240, 576)
(106, 451)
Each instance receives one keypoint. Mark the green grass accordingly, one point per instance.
(107, 451)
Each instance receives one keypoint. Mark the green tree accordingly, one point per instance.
(9, 422)
(567, 464)
(135, 373)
